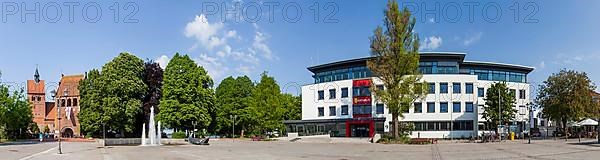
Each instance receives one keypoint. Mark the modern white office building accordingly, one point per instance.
(339, 102)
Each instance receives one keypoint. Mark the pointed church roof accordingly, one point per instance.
(36, 76)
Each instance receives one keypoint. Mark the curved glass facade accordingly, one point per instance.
(430, 64)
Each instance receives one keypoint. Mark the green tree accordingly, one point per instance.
(114, 96)
(292, 106)
(90, 116)
(232, 99)
(499, 105)
(395, 62)
(266, 106)
(187, 95)
(15, 113)
(566, 96)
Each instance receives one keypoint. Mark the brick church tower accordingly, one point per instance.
(37, 97)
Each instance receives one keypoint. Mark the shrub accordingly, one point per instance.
(179, 135)
(389, 139)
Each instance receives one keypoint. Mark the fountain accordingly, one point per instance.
(153, 135)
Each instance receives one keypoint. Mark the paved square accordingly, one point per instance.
(235, 150)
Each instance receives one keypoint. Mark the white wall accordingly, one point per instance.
(310, 102)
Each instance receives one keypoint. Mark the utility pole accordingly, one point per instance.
(194, 124)
(499, 115)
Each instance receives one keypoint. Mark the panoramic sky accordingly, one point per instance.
(285, 37)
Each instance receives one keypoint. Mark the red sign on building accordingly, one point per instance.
(361, 83)
(361, 100)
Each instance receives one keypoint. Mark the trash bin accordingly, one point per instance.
(512, 136)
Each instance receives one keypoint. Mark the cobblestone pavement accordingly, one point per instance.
(236, 149)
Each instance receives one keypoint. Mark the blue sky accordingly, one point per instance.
(547, 35)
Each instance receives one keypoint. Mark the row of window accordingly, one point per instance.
(332, 94)
(456, 88)
(424, 68)
(358, 109)
(356, 91)
(443, 88)
(458, 125)
(342, 74)
(443, 107)
(499, 75)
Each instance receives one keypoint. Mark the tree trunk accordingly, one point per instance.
(395, 126)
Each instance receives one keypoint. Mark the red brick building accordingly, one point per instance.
(67, 99)
(44, 112)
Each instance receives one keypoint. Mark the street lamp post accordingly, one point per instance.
(53, 94)
(233, 117)
(194, 131)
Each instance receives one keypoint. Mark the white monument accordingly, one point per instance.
(153, 135)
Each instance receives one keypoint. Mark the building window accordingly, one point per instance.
(332, 111)
(456, 107)
(480, 92)
(321, 111)
(361, 91)
(418, 108)
(523, 110)
(443, 107)
(459, 125)
(522, 94)
(344, 110)
(431, 88)
(469, 107)
(361, 110)
(39, 98)
(469, 88)
(75, 102)
(455, 87)
(344, 92)
(379, 109)
(380, 87)
(332, 94)
(321, 95)
(68, 102)
(443, 87)
(430, 107)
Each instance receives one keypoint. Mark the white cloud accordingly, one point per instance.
(431, 43)
(204, 32)
(259, 44)
(232, 34)
(472, 39)
(244, 69)
(162, 61)
(542, 65)
(431, 20)
(212, 65)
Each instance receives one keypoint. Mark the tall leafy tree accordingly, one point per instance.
(153, 77)
(15, 113)
(566, 96)
(187, 94)
(292, 106)
(499, 105)
(266, 105)
(115, 96)
(232, 100)
(395, 62)
(90, 116)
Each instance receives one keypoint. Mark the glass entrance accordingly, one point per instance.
(360, 130)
